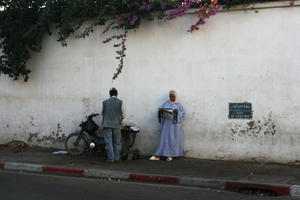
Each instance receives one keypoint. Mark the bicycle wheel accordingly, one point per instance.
(75, 144)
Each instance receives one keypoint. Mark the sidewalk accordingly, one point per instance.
(233, 176)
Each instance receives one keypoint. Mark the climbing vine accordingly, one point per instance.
(23, 23)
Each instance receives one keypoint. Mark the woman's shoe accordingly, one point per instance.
(154, 158)
(169, 159)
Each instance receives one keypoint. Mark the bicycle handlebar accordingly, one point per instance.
(92, 115)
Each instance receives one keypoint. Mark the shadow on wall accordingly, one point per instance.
(56, 137)
(254, 128)
(15, 146)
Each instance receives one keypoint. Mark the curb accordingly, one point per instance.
(154, 178)
(73, 171)
(233, 186)
(281, 190)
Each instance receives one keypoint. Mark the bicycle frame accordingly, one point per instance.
(86, 138)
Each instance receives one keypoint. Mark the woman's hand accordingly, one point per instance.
(175, 111)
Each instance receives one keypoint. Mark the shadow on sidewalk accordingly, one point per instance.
(185, 167)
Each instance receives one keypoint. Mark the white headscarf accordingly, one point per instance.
(175, 94)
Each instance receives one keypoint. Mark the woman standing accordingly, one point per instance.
(171, 138)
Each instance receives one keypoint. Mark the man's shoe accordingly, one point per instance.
(117, 161)
(110, 161)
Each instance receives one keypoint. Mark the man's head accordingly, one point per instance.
(113, 92)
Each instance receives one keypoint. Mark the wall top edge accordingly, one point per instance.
(262, 5)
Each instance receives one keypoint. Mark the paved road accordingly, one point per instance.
(29, 186)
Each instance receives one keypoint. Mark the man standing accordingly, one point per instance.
(113, 115)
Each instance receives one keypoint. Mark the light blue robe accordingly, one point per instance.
(171, 135)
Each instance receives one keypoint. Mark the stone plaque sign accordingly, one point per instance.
(240, 111)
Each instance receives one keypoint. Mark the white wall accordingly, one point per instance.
(237, 56)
